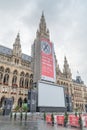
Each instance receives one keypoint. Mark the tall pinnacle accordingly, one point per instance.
(43, 31)
(17, 40)
(17, 46)
(42, 25)
(66, 70)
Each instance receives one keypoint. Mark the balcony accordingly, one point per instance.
(14, 85)
(5, 84)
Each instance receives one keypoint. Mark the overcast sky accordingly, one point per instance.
(67, 23)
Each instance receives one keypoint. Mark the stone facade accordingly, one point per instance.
(18, 71)
(16, 76)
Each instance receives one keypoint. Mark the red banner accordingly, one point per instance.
(48, 119)
(84, 119)
(60, 119)
(47, 60)
(74, 120)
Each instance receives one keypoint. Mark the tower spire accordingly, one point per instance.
(42, 13)
(17, 40)
(66, 70)
(17, 46)
(43, 31)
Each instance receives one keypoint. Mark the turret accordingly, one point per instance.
(17, 47)
(66, 69)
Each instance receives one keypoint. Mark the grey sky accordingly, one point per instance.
(66, 20)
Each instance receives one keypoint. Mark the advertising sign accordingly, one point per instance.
(50, 95)
(60, 119)
(84, 120)
(47, 61)
(48, 118)
(74, 120)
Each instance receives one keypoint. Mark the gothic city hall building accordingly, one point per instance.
(19, 72)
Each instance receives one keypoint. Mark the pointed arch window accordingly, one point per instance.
(22, 74)
(22, 82)
(25, 100)
(14, 80)
(31, 76)
(31, 82)
(1, 69)
(15, 72)
(1, 77)
(26, 83)
(2, 101)
(20, 102)
(27, 75)
(13, 98)
(6, 79)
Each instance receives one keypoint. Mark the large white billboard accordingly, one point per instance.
(50, 95)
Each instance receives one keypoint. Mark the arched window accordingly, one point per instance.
(1, 77)
(22, 74)
(2, 101)
(13, 99)
(14, 80)
(26, 83)
(25, 100)
(20, 102)
(15, 72)
(31, 82)
(31, 76)
(61, 83)
(6, 79)
(22, 82)
(27, 75)
(1, 69)
(58, 82)
(66, 84)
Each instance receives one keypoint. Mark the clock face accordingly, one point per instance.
(45, 47)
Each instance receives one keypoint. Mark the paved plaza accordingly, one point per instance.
(38, 124)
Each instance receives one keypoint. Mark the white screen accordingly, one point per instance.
(50, 95)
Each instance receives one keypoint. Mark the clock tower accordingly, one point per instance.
(43, 64)
(50, 97)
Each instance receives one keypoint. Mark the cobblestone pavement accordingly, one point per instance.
(7, 124)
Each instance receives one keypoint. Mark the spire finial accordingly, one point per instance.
(42, 13)
(18, 35)
(17, 40)
(65, 58)
(42, 31)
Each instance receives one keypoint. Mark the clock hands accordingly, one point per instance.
(46, 47)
